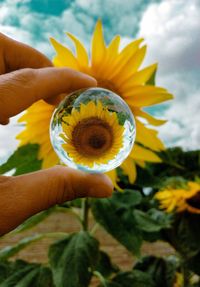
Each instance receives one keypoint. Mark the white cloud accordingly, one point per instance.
(22, 24)
(8, 143)
(171, 29)
(183, 126)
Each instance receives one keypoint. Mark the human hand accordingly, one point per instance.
(27, 76)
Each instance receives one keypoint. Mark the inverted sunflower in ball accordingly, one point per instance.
(92, 130)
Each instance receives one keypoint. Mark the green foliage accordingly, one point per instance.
(148, 222)
(122, 217)
(184, 234)
(134, 278)
(73, 259)
(23, 160)
(193, 263)
(162, 271)
(118, 220)
(12, 250)
(122, 117)
(24, 274)
(105, 266)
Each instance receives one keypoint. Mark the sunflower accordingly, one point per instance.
(116, 70)
(92, 135)
(178, 280)
(179, 200)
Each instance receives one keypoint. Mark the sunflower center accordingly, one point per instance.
(195, 200)
(92, 137)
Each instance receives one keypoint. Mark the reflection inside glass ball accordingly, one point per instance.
(92, 130)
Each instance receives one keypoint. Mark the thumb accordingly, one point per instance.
(25, 195)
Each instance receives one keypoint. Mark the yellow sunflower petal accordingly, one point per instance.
(148, 137)
(150, 119)
(194, 186)
(113, 48)
(146, 96)
(50, 159)
(45, 148)
(141, 89)
(57, 61)
(139, 78)
(141, 163)
(193, 209)
(82, 55)
(129, 50)
(140, 153)
(122, 59)
(98, 46)
(114, 178)
(131, 66)
(64, 55)
(171, 206)
(110, 55)
(129, 168)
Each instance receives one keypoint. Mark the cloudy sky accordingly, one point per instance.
(170, 28)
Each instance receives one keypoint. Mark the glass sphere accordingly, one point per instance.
(92, 130)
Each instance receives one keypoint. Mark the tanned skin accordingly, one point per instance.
(27, 76)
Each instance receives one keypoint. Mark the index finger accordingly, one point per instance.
(15, 55)
(20, 89)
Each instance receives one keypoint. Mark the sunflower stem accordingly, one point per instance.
(85, 213)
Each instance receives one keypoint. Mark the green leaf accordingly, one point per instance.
(10, 251)
(33, 220)
(16, 276)
(119, 221)
(147, 223)
(133, 278)
(122, 117)
(44, 277)
(73, 259)
(194, 264)
(127, 199)
(24, 160)
(4, 270)
(184, 235)
(105, 266)
(162, 271)
(152, 80)
(23, 274)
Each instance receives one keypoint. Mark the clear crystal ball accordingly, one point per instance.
(92, 130)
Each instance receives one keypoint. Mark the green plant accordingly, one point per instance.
(132, 217)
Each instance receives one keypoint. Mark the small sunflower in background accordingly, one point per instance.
(116, 70)
(180, 199)
(92, 135)
(179, 280)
